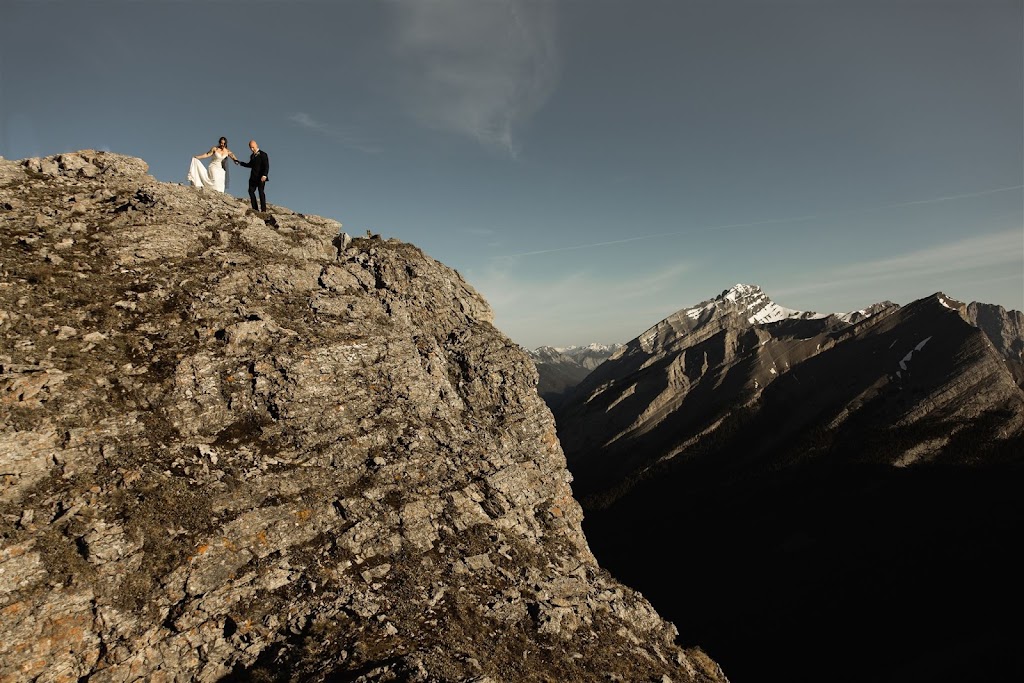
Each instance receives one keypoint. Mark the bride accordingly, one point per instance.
(216, 176)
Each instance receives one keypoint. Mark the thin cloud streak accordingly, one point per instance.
(478, 69)
(585, 246)
(346, 140)
(771, 221)
(575, 307)
(655, 235)
(578, 295)
(485, 232)
(948, 198)
(982, 252)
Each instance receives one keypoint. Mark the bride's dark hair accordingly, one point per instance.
(222, 138)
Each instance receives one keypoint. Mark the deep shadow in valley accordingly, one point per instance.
(848, 573)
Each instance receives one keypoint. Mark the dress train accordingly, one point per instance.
(214, 177)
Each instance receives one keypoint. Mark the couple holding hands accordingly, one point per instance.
(215, 176)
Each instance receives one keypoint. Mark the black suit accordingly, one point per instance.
(259, 168)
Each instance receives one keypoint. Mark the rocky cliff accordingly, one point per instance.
(241, 446)
(1005, 329)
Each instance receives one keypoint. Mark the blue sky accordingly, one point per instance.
(589, 166)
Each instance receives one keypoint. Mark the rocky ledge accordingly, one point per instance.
(239, 446)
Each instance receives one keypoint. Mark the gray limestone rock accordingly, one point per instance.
(253, 445)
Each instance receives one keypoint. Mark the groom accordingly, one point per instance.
(259, 169)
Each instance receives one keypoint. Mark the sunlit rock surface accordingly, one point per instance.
(246, 445)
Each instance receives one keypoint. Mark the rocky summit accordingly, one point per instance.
(245, 446)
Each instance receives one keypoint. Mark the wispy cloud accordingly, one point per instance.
(509, 286)
(346, 139)
(475, 68)
(771, 221)
(982, 252)
(641, 238)
(575, 304)
(478, 232)
(589, 245)
(949, 198)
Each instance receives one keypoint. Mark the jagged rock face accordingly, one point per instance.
(1005, 329)
(739, 374)
(246, 445)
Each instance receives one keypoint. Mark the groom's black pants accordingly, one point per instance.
(261, 186)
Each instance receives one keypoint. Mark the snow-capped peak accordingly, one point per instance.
(741, 291)
(751, 300)
(593, 346)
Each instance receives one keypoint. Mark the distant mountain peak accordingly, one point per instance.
(577, 350)
(561, 368)
(592, 347)
(948, 301)
(748, 300)
(740, 290)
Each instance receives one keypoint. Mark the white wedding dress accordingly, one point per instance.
(215, 177)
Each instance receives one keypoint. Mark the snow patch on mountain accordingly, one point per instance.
(910, 354)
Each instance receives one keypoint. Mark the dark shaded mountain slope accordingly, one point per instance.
(851, 482)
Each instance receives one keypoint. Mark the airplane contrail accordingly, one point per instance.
(947, 198)
(661, 234)
(795, 219)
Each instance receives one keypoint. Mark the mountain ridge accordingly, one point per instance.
(850, 482)
(729, 350)
(562, 368)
